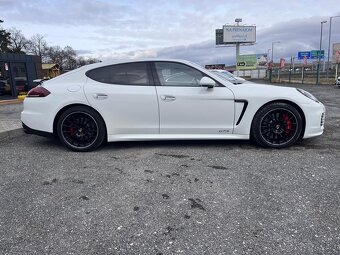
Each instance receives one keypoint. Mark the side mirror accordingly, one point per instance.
(207, 82)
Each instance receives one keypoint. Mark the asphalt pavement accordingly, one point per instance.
(10, 124)
(186, 197)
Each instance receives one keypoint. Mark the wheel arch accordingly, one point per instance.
(296, 106)
(55, 121)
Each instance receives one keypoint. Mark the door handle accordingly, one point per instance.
(100, 96)
(168, 98)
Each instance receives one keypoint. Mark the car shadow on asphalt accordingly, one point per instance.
(312, 143)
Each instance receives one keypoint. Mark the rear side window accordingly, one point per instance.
(122, 74)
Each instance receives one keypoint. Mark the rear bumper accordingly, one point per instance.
(29, 130)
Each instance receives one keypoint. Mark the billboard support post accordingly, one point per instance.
(237, 57)
(237, 48)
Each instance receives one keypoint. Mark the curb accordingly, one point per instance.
(14, 101)
(9, 134)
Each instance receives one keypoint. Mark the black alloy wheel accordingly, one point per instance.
(277, 125)
(81, 129)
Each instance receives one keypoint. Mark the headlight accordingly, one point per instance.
(307, 94)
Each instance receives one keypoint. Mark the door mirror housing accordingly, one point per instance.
(207, 82)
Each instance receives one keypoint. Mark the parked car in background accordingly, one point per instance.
(337, 82)
(166, 99)
(5, 88)
(229, 76)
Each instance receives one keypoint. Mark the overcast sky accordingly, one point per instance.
(183, 29)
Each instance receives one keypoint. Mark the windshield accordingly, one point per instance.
(225, 76)
(225, 73)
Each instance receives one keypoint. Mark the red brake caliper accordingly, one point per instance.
(72, 130)
(288, 123)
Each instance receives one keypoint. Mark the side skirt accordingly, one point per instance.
(148, 137)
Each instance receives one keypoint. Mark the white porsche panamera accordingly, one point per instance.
(166, 99)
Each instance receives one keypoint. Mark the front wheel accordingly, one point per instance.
(81, 129)
(277, 125)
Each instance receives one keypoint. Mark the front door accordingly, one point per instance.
(187, 108)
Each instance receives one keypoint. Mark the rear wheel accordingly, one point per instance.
(277, 125)
(81, 129)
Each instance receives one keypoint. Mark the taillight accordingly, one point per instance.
(38, 92)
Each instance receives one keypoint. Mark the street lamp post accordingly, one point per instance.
(273, 51)
(272, 60)
(329, 41)
(269, 71)
(268, 58)
(319, 53)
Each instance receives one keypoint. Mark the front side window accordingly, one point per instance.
(122, 74)
(175, 74)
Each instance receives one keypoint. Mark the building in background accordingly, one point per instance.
(50, 70)
(17, 72)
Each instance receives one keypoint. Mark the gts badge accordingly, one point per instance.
(223, 131)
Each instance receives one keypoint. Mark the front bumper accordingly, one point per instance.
(315, 114)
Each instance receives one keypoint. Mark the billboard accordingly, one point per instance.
(219, 37)
(247, 62)
(239, 34)
(336, 53)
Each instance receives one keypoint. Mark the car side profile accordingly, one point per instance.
(166, 99)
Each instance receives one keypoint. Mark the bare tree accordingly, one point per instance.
(65, 58)
(18, 42)
(4, 39)
(81, 61)
(38, 46)
(70, 56)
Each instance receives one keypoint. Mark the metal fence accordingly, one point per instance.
(302, 76)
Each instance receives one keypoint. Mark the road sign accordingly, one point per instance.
(246, 62)
(315, 53)
(303, 54)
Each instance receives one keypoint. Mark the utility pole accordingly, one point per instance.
(319, 53)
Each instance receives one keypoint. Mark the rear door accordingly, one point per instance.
(125, 96)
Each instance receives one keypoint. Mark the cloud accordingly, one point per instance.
(83, 52)
(179, 28)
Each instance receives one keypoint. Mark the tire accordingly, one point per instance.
(81, 129)
(277, 125)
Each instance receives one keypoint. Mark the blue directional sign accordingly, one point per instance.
(303, 54)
